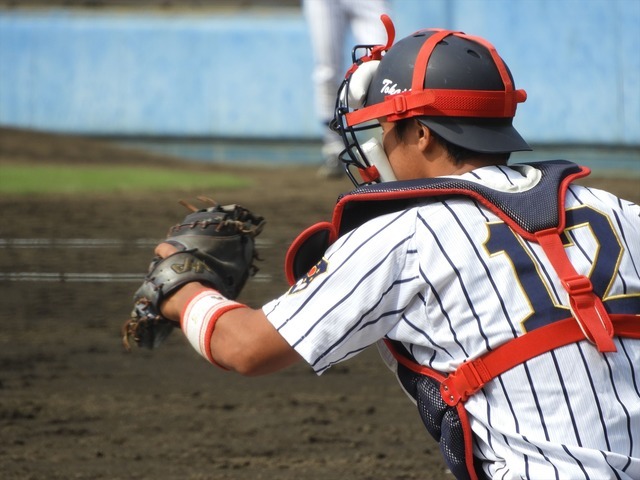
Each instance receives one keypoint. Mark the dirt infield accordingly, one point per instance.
(74, 404)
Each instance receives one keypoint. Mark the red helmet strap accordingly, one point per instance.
(422, 60)
(445, 102)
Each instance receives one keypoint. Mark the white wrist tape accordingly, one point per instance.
(199, 319)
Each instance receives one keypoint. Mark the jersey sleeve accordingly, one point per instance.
(354, 295)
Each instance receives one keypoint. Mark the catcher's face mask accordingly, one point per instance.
(363, 153)
(455, 84)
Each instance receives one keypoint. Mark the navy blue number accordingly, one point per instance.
(532, 278)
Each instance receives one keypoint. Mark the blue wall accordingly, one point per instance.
(247, 75)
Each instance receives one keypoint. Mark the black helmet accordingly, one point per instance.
(455, 84)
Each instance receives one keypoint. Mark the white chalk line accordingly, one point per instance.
(61, 277)
(92, 242)
(71, 243)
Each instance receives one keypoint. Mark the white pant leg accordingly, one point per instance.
(366, 26)
(327, 23)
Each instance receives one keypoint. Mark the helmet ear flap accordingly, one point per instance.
(359, 83)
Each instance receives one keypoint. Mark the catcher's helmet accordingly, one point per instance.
(455, 84)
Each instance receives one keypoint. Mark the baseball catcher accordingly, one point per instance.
(215, 246)
(504, 297)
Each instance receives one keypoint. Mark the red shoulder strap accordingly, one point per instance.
(586, 306)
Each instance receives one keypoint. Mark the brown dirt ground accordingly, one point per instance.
(74, 404)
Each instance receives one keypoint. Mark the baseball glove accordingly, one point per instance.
(216, 246)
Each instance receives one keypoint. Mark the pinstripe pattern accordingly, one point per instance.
(427, 277)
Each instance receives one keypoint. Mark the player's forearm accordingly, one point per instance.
(245, 341)
(240, 338)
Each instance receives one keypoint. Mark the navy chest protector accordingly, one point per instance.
(537, 215)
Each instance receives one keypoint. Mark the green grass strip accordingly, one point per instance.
(16, 179)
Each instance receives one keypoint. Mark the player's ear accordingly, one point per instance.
(424, 136)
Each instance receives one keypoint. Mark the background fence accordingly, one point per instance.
(242, 70)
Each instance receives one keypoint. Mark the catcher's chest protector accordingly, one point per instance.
(440, 397)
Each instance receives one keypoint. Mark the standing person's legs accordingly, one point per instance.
(327, 28)
(366, 26)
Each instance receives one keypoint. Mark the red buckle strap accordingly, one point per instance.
(472, 375)
(593, 319)
(467, 380)
(586, 306)
(577, 285)
(441, 102)
(399, 104)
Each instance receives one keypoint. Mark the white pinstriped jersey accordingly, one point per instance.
(441, 278)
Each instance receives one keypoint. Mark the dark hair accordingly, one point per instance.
(457, 153)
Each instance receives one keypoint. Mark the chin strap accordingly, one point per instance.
(369, 174)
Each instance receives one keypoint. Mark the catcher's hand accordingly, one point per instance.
(216, 246)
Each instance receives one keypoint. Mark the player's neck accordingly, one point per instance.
(473, 163)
